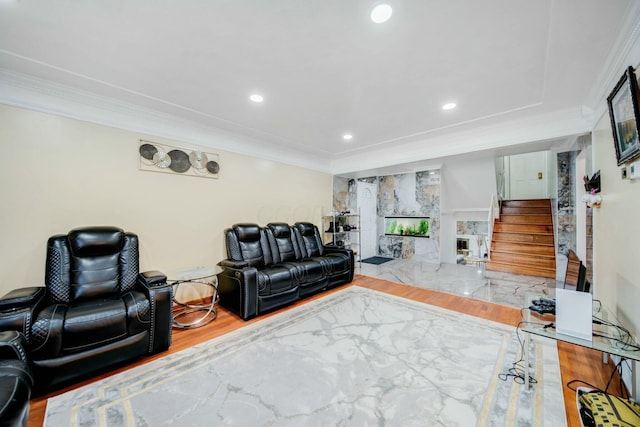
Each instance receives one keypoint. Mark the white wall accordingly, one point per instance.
(459, 202)
(616, 230)
(59, 173)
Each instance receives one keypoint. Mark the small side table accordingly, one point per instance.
(200, 276)
(481, 263)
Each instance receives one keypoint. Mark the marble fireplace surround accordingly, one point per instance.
(415, 194)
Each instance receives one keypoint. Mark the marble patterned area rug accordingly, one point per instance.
(357, 357)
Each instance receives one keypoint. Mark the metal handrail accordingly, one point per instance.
(494, 213)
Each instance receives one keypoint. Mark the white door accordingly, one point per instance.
(367, 205)
(528, 176)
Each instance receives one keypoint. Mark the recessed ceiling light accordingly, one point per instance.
(449, 106)
(381, 13)
(347, 137)
(256, 98)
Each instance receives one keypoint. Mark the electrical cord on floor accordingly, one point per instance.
(517, 372)
(617, 369)
(591, 386)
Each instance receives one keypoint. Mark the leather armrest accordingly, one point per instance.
(17, 307)
(337, 249)
(238, 291)
(13, 345)
(22, 297)
(233, 264)
(160, 294)
(152, 278)
(15, 392)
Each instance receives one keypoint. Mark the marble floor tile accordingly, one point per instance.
(465, 280)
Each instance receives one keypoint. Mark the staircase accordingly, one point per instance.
(523, 239)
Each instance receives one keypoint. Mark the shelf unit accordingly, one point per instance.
(342, 229)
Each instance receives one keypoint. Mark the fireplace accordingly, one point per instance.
(462, 246)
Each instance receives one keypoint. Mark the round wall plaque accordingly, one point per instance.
(147, 151)
(213, 167)
(179, 161)
(198, 159)
(161, 159)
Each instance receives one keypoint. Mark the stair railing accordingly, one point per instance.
(494, 213)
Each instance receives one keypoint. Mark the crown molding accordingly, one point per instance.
(625, 53)
(24, 91)
(517, 132)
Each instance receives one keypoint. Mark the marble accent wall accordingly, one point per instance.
(412, 194)
(472, 227)
(476, 232)
(566, 217)
(341, 194)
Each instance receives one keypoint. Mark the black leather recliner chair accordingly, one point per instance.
(95, 309)
(15, 379)
(270, 267)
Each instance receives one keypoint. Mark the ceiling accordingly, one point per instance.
(519, 71)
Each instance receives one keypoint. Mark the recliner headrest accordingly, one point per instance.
(280, 229)
(247, 232)
(93, 241)
(306, 228)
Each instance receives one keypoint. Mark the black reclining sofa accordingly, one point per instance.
(272, 266)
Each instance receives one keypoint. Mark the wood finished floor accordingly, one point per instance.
(575, 362)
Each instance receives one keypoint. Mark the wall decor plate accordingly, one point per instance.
(161, 159)
(198, 159)
(179, 161)
(193, 161)
(213, 167)
(147, 151)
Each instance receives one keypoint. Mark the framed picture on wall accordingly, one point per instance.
(623, 111)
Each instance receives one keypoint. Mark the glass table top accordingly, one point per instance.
(195, 273)
(606, 337)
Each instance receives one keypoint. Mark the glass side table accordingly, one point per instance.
(606, 338)
(200, 279)
(481, 263)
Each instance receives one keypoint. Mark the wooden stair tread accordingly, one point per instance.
(521, 264)
(506, 209)
(524, 228)
(521, 232)
(527, 203)
(521, 257)
(525, 270)
(523, 249)
(526, 243)
(528, 216)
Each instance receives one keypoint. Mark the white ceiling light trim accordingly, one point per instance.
(449, 106)
(381, 13)
(257, 98)
(347, 137)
